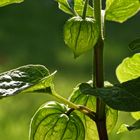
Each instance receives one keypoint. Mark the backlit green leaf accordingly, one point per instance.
(136, 115)
(80, 98)
(79, 6)
(29, 78)
(7, 2)
(122, 128)
(74, 7)
(129, 68)
(125, 96)
(121, 10)
(65, 7)
(133, 127)
(53, 122)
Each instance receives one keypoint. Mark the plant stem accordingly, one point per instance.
(98, 73)
(73, 106)
(85, 9)
(65, 101)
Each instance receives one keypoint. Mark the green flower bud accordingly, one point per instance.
(80, 35)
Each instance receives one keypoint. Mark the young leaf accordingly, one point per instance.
(7, 2)
(133, 127)
(53, 121)
(123, 96)
(29, 78)
(80, 98)
(121, 10)
(129, 68)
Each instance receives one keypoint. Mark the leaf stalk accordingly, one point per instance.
(87, 111)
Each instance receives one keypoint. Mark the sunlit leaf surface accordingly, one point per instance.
(74, 7)
(54, 122)
(29, 78)
(136, 115)
(121, 10)
(7, 2)
(129, 68)
(133, 127)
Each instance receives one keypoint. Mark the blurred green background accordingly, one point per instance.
(32, 33)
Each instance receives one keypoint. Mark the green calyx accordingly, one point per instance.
(80, 35)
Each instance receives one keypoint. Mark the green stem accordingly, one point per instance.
(98, 73)
(73, 106)
(65, 101)
(85, 9)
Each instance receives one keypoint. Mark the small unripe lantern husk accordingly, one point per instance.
(80, 34)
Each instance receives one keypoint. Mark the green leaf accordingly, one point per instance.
(121, 10)
(79, 6)
(135, 44)
(129, 69)
(74, 7)
(65, 7)
(133, 127)
(80, 98)
(123, 96)
(7, 2)
(122, 128)
(53, 121)
(136, 115)
(29, 78)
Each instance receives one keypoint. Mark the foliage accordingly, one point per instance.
(89, 113)
(80, 97)
(7, 2)
(118, 96)
(61, 124)
(30, 78)
(129, 68)
(120, 11)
